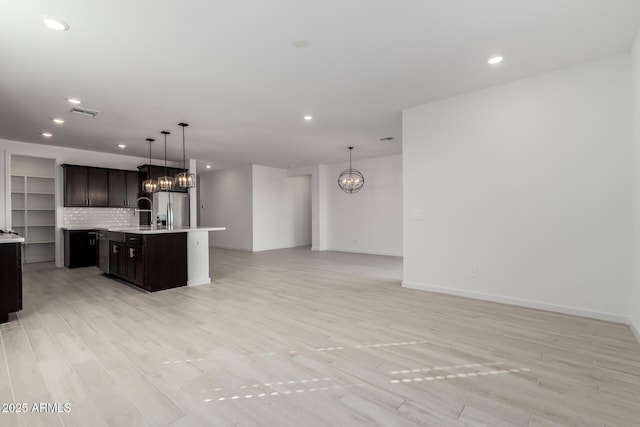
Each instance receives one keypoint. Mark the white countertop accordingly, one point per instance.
(84, 227)
(147, 230)
(10, 238)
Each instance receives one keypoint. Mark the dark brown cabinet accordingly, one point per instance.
(80, 248)
(98, 187)
(123, 188)
(10, 279)
(117, 188)
(85, 186)
(117, 255)
(133, 188)
(75, 185)
(117, 260)
(151, 261)
(135, 260)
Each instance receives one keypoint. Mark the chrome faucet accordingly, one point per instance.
(151, 223)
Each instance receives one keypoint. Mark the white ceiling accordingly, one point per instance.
(229, 69)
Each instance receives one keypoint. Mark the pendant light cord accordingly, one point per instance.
(184, 152)
(150, 141)
(165, 133)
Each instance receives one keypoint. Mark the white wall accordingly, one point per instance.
(369, 221)
(296, 212)
(226, 201)
(635, 93)
(528, 186)
(281, 209)
(318, 174)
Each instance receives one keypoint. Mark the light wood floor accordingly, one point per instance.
(300, 338)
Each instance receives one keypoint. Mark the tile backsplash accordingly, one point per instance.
(100, 217)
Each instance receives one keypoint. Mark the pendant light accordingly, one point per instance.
(185, 179)
(149, 185)
(350, 180)
(165, 182)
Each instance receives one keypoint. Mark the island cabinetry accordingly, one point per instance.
(117, 255)
(10, 279)
(135, 260)
(80, 248)
(151, 261)
(165, 261)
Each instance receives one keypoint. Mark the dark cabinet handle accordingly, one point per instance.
(115, 249)
(132, 253)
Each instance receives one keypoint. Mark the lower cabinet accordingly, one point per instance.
(10, 280)
(151, 261)
(117, 260)
(80, 248)
(135, 259)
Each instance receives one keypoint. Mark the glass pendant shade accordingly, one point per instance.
(185, 179)
(351, 180)
(149, 185)
(166, 182)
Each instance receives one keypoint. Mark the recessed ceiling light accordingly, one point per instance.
(208, 166)
(57, 121)
(74, 100)
(55, 24)
(308, 118)
(495, 60)
(47, 134)
(301, 43)
(122, 146)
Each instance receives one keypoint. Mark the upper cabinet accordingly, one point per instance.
(86, 186)
(117, 188)
(123, 188)
(98, 187)
(133, 188)
(75, 185)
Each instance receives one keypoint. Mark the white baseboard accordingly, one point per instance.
(203, 281)
(233, 248)
(521, 302)
(366, 252)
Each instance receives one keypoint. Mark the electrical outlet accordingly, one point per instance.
(473, 270)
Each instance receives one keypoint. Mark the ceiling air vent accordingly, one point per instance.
(84, 111)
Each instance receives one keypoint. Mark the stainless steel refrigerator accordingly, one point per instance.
(171, 209)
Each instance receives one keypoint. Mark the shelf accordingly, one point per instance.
(33, 189)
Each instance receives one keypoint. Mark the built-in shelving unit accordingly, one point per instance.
(33, 206)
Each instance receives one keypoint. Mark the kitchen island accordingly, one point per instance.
(166, 253)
